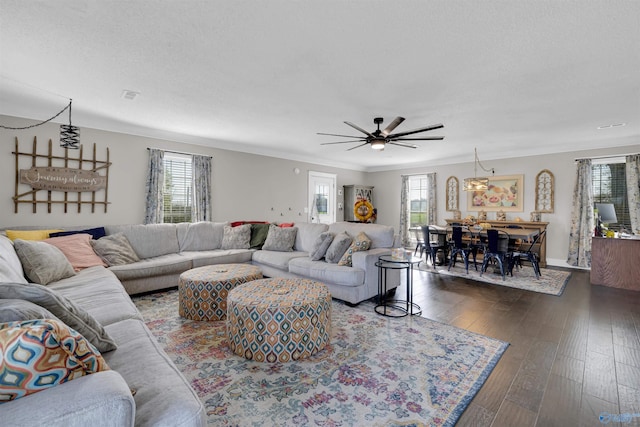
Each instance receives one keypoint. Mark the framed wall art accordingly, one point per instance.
(544, 191)
(452, 194)
(504, 193)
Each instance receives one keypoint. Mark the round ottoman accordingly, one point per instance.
(278, 320)
(202, 291)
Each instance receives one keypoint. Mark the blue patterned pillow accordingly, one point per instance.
(39, 354)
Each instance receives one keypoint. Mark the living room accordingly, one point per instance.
(262, 154)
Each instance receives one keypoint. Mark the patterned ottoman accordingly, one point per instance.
(202, 291)
(279, 320)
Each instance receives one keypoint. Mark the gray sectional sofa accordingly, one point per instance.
(162, 395)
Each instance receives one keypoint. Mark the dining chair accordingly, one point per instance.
(529, 255)
(458, 246)
(420, 245)
(497, 249)
(434, 244)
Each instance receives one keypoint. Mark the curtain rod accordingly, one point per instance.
(605, 157)
(179, 152)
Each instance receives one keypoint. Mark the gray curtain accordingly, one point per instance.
(582, 218)
(201, 180)
(633, 190)
(154, 208)
(432, 211)
(404, 211)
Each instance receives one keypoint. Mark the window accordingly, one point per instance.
(610, 186)
(177, 188)
(418, 214)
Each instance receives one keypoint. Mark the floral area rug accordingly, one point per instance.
(551, 282)
(377, 371)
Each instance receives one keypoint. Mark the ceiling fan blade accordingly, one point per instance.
(403, 145)
(335, 134)
(342, 142)
(426, 138)
(394, 124)
(425, 129)
(360, 129)
(357, 146)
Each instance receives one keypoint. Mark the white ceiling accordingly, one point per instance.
(513, 78)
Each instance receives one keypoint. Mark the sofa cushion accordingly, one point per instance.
(77, 248)
(17, 310)
(320, 246)
(277, 259)
(30, 234)
(115, 249)
(307, 234)
(218, 256)
(96, 233)
(200, 236)
(338, 247)
(42, 262)
(280, 238)
(359, 244)
(236, 237)
(259, 234)
(10, 265)
(381, 235)
(150, 267)
(39, 354)
(327, 273)
(149, 240)
(63, 308)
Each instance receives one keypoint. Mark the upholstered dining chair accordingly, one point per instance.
(434, 244)
(463, 248)
(497, 249)
(529, 254)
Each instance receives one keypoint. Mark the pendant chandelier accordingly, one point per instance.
(477, 183)
(69, 134)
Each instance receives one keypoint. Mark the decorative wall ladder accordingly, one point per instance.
(61, 174)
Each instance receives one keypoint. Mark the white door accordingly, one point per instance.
(322, 197)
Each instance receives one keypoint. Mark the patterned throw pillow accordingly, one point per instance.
(362, 242)
(62, 308)
(115, 249)
(320, 246)
(39, 354)
(236, 237)
(280, 239)
(337, 248)
(42, 263)
(77, 248)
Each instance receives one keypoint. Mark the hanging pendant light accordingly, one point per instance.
(477, 183)
(69, 134)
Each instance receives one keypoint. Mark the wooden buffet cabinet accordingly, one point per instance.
(615, 263)
(542, 249)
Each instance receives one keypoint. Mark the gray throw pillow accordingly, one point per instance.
(320, 246)
(280, 239)
(115, 249)
(64, 309)
(42, 263)
(338, 247)
(10, 265)
(236, 237)
(17, 310)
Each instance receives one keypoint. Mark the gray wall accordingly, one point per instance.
(245, 186)
(253, 187)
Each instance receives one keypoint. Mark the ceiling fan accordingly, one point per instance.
(378, 139)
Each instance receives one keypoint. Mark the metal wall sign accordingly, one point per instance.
(62, 179)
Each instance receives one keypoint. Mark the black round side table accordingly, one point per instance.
(396, 307)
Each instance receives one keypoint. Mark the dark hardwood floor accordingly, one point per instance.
(570, 359)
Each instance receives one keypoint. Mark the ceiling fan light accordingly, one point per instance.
(378, 144)
(476, 184)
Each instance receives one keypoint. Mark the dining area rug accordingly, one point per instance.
(376, 371)
(551, 282)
